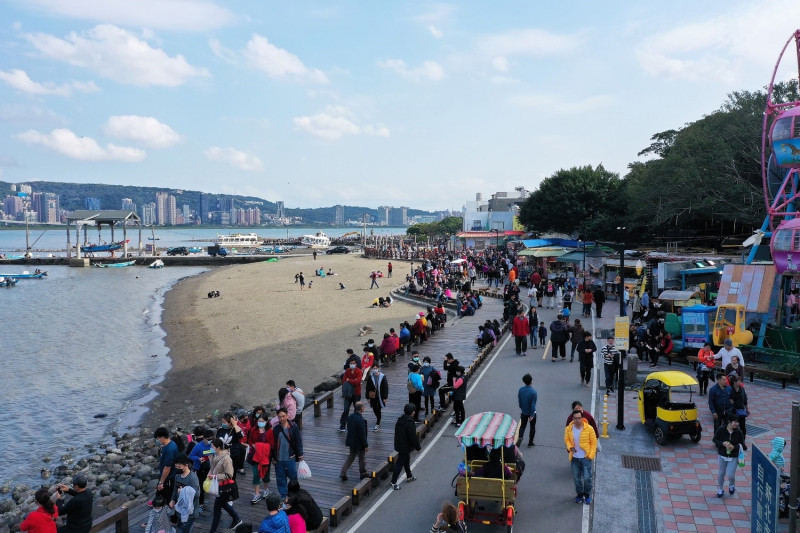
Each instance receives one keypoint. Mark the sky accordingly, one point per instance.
(364, 103)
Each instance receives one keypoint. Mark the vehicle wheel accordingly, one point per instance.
(695, 436)
(659, 435)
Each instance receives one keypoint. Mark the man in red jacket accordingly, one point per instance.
(587, 417)
(351, 390)
(520, 328)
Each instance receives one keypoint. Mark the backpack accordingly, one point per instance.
(180, 441)
(410, 386)
(434, 378)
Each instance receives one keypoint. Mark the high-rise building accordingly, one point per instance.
(339, 216)
(46, 205)
(280, 212)
(25, 188)
(12, 206)
(149, 214)
(398, 216)
(383, 214)
(161, 208)
(172, 210)
(187, 214)
(93, 204)
(208, 203)
(128, 205)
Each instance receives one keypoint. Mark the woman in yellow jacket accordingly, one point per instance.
(581, 443)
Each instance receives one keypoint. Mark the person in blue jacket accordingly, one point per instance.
(527, 397)
(719, 400)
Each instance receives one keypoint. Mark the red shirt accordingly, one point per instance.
(40, 521)
(353, 377)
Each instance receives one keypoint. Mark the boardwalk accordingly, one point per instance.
(324, 445)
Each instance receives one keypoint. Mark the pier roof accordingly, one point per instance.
(108, 216)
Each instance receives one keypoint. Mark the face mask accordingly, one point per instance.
(416, 359)
(258, 415)
(262, 424)
(352, 365)
(370, 345)
(426, 364)
(376, 372)
(225, 426)
(158, 442)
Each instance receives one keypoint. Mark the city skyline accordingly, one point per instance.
(319, 104)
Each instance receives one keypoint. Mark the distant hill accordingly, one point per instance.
(73, 196)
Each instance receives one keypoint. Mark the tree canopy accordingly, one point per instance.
(440, 229)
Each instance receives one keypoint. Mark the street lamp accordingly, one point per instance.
(496, 238)
(596, 258)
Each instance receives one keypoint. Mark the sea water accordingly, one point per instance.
(78, 343)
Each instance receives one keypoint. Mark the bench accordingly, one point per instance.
(749, 369)
(341, 508)
(489, 489)
(362, 490)
(117, 517)
(326, 397)
(323, 527)
(381, 472)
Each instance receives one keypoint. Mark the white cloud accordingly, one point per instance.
(336, 122)
(119, 55)
(732, 47)
(20, 80)
(437, 13)
(65, 142)
(181, 15)
(279, 63)
(143, 130)
(528, 42)
(232, 156)
(558, 105)
(436, 32)
(501, 64)
(429, 70)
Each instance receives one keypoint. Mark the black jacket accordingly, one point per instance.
(736, 438)
(380, 395)
(461, 392)
(586, 357)
(451, 370)
(405, 435)
(356, 432)
(308, 508)
(78, 511)
(558, 332)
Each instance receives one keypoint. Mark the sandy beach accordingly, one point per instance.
(262, 330)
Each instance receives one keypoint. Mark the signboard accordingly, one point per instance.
(765, 493)
(622, 332)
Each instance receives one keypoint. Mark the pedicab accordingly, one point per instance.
(487, 500)
(665, 404)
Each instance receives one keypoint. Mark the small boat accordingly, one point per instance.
(6, 281)
(158, 263)
(114, 265)
(102, 247)
(38, 274)
(320, 240)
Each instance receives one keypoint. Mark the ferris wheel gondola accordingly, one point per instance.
(780, 172)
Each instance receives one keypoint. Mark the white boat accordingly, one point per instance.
(241, 240)
(320, 240)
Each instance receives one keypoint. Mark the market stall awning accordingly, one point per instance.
(575, 256)
(544, 252)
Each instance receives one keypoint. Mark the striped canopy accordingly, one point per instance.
(488, 429)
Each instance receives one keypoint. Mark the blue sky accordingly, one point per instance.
(363, 103)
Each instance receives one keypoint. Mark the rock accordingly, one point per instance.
(101, 415)
(7, 505)
(45, 473)
(114, 450)
(117, 502)
(125, 470)
(105, 491)
(5, 489)
(329, 384)
(104, 500)
(113, 458)
(137, 483)
(19, 491)
(46, 459)
(113, 468)
(144, 472)
(82, 463)
(128, 489)
(152, 484)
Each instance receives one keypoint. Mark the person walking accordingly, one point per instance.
(186, 494)
(288, 451)
(315, 255)
(166, 463)
(302, 281)
(575, 337)
(222, 470)
(533, 324)
(611, 357)
(415, 386)
(581, 443)
(586, 351)
(520, 329)
(374, 278)
(558, 338)
(727, 352)
(587, 417)
(729, 441)
(351, 390)
(405, 440)
(459, 394)
(739, 402)
(587, 303)
(719, 400)
(705, 367)
(389, 270)
(599, 299)
(377, 393)
(357, 442)
(526, 397)
(431, 378)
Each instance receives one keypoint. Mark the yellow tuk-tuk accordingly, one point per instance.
(665, 404)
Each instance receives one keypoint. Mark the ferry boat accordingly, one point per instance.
(320, 240)
(241, 240)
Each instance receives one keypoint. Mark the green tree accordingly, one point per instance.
(584, 200)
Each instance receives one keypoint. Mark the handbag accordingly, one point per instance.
(229, 490)
(741, 412)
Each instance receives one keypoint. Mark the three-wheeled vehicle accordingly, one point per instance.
(479, 435)
(665, 404)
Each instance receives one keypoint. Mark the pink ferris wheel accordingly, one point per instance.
(780, 172)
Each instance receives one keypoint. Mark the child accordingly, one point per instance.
(542, 333)
(159, 520)
(565, 312)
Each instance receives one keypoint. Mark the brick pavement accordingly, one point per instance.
(685, 491)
